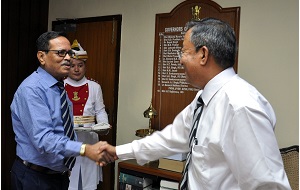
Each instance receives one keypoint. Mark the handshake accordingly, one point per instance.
(101, 152)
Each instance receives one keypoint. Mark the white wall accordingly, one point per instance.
(268, 55)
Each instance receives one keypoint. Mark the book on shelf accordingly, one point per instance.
(167, 184)
(165, 188)
(131, 182)
(172, 165)
(125, 186)
(179, 156)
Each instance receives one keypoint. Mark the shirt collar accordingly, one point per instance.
(76, 83)
(49, 79)
(216, 83)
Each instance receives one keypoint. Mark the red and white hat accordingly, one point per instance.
(80, 53)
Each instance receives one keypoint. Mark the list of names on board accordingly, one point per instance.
(170, 73)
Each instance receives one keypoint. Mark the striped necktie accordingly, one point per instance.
(192, 140)
(67, 122)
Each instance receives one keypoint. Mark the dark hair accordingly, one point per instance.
(42, 43)
(217, 36)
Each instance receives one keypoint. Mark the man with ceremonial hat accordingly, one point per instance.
(88, 107)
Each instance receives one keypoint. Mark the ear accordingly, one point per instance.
(41, 57)
(203, 55)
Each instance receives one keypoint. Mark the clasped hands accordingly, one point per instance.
(101, 152)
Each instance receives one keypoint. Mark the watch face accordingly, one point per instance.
(82, 149)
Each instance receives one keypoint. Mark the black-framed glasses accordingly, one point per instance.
(62, 53)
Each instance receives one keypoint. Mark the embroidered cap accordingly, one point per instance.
(80, 53)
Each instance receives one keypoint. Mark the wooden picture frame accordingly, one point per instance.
(171, 93)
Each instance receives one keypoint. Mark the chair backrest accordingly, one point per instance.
(290, 157)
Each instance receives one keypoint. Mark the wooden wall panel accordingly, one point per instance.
(21, 24)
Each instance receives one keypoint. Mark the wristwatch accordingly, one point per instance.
(82, 150)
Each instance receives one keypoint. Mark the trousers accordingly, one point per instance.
(24, 178)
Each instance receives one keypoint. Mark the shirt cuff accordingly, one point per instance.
(125, 152)
(72, 148)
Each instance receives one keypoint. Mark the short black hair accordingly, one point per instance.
(42, 43)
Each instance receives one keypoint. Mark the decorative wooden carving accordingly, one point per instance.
(171, 93)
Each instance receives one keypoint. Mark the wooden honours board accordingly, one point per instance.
(171, 93)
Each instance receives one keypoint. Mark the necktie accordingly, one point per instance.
(192, 141)
(67, 122)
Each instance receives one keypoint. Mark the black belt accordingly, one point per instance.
(41, 169)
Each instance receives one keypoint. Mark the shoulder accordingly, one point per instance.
(92, 81)
(240, 94)
(93, 84)
(37, 82)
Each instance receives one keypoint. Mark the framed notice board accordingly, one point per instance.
(171, 93)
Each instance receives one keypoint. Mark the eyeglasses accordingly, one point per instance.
(62, 53)
(180, 52)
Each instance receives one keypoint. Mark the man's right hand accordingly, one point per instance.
(108, 152)
(96, 153)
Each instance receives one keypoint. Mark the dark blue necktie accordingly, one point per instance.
(67, 122)
(192, 140)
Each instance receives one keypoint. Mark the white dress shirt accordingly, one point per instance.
(237, 147)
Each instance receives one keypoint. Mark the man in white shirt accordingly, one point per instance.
(236, 147)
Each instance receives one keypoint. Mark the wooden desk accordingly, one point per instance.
(147, 169)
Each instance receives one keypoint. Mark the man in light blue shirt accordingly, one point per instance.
(42, 145)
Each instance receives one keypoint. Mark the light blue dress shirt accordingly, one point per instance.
(37, 123)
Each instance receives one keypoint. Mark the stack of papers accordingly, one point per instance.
(97, 128)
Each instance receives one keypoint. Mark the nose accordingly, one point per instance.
(76, 68)
(68, 57)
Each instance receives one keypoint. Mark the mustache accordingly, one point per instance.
(66, 63)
